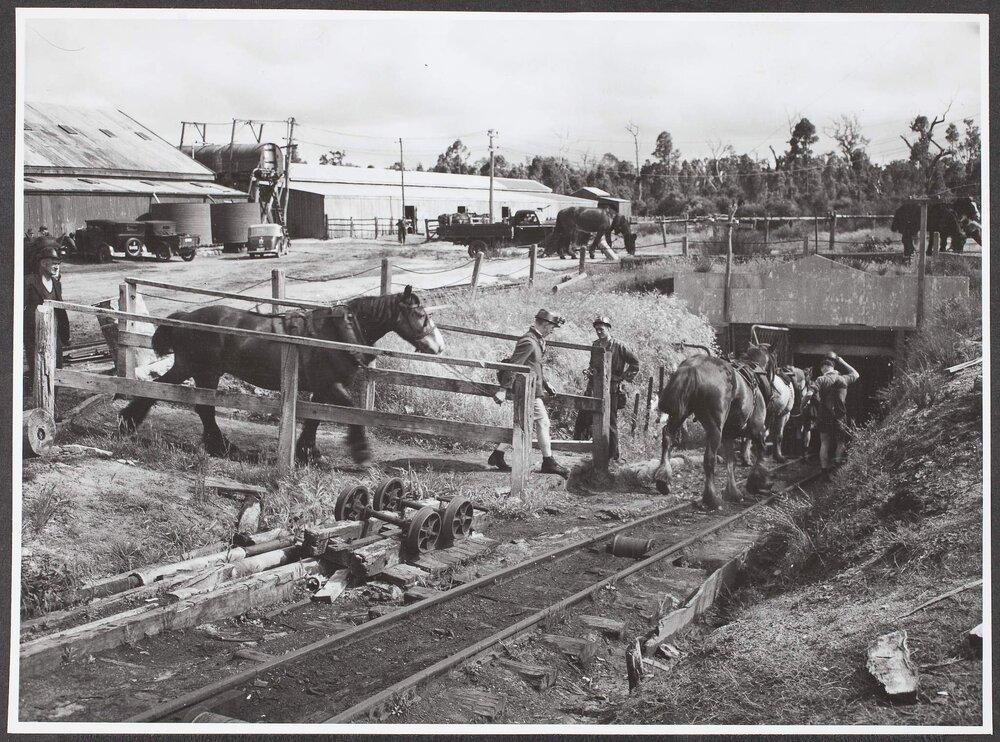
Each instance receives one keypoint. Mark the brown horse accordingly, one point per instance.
(325, 373)
(599, 222)
(727, 405)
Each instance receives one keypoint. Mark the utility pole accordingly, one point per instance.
(288, 171)
(634, 131)
(402, 180)
(492, 134)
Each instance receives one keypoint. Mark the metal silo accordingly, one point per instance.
(192, 218)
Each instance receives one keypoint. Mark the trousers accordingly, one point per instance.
(829, 448)
(583, 429)
(540, 420)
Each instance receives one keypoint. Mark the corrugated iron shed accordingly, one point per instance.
(71, 140)
(301, 173)
(116, 186)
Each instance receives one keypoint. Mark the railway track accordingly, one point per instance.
(362, 669)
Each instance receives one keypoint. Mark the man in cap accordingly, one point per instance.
(401, 231)
(528, 352)
(624, 368)
(44, 283)
(830, 408)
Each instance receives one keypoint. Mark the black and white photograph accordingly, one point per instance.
(571, 371)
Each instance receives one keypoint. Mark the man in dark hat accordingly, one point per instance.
(528, 352)
(831, 409)
(42, 283)
(401, 231)
(624, 368)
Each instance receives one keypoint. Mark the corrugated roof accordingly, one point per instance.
(67, 184)
(588, 191)
(362, 190)
(380, 176)
(99, 141)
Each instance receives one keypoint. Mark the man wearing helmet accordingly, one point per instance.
(624, 367)
(831, 410)
(528, 352)
(43, 283)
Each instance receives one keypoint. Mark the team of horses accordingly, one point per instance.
(576, 221)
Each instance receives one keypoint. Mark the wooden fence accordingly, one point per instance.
(289, 409)
(364, 229)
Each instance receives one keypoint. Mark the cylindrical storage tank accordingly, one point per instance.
(193, 219)
(231, 221)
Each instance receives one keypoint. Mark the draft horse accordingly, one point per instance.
(602, 223)
(326, 374)
(729, 404)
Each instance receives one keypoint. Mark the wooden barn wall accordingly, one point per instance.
(65, 213)
(305, 216)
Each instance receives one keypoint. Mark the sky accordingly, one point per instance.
(552, 84)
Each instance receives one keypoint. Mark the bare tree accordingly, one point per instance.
(846, 131)
(921, 155)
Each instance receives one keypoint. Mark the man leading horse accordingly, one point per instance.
(600, 222)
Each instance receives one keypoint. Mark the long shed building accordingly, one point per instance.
(322, 196)
(100, 163)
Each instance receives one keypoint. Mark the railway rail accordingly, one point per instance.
(364, 668)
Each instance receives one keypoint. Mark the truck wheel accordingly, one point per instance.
(104, 254)
(478, 246)
(188, 256)
(133, 247)
(163, 254)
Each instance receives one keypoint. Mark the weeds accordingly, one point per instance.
(39, 511)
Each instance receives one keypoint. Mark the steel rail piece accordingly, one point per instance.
(171, 708)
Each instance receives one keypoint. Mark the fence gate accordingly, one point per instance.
(777, 338)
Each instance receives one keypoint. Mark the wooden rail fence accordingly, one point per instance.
(287, 407)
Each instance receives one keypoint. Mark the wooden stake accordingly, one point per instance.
(127, 293)
(833, 231)
(524, 399)
(289, 393)
(277, 288)
(816, 230)
(635, 412)
(633, 665)
(922, 265)
(475, 272)
(649, 403)
(583, 258)
(532, 260)
(663, 231)
(805, 245)
(685, 246)
(386, 287)
(45, 360)
(602, 417)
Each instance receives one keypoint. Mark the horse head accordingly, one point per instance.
(622, 226)
(400, 313)
(968, 216)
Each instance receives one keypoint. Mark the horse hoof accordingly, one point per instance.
(663, 488)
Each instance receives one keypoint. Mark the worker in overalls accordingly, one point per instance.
(41, 284)
(401, 231)
(624, 368)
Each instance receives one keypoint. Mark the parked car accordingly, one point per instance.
(104, 239)
(266, 239)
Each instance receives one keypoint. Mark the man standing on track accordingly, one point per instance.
(528, 352)
(624, 368)
(831, 409)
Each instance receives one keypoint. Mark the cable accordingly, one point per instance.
(431, 273)
(338, 277)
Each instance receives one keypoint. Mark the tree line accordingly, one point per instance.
(944, 159)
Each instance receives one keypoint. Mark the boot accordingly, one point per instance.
(496, 459)
(551, 466)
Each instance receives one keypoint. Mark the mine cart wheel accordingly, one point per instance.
(351, 502)
(133, 247)
(187, 256)
(478, 246)
(424, 531)
(457, 521)
(388, 494)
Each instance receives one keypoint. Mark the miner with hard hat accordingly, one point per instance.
(624, 368)
(528, 352)
(42, 283)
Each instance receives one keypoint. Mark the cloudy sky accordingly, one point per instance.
(548, 84)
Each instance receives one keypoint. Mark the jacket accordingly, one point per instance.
(528, 352)
(831, 390)
(35, 295)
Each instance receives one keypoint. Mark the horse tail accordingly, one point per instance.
(163, 337)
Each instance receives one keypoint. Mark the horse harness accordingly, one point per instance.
(295, 321)
(755, 378)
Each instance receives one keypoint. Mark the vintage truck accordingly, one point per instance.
(523, 228)
(102, 239)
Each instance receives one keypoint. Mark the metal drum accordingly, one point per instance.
(633, 548)
(230, 222)
(192, 219)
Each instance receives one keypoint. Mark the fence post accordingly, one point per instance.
(289, 394)
(805, 245)
(649, 403)
(816, 229)
(935, 243)
(376, 227)
(369, 390)
(767, 230)
(921, 265)
(663, 231)
(635, 413)
(532, 261)
(685, 248)
(583, 258)
(602, 420)
(277, 288)
(386, 286)
(350, 227)
(833, 231)
(125, 363)
(44, 381)
(475, 271)
(521, 429)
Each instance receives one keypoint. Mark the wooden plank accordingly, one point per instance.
(289, 399)
(231, 488)
(285, 339)
(477, 703)
(316, 539)
(583, 650)
(263, 405)
(333, 588)
(277, 289)
(135, 340)
(425, 381)
(570, 446)
(607, 626)
(416, 594)
(524, 393)
(231, 600)
(539, 677)
(602, 417)
(403, 575)
(230, 295)
(385, 286)
(373, 559)
(508, 336)
(44, 382)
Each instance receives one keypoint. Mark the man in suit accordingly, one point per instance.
(44, 282)
(528, 352)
